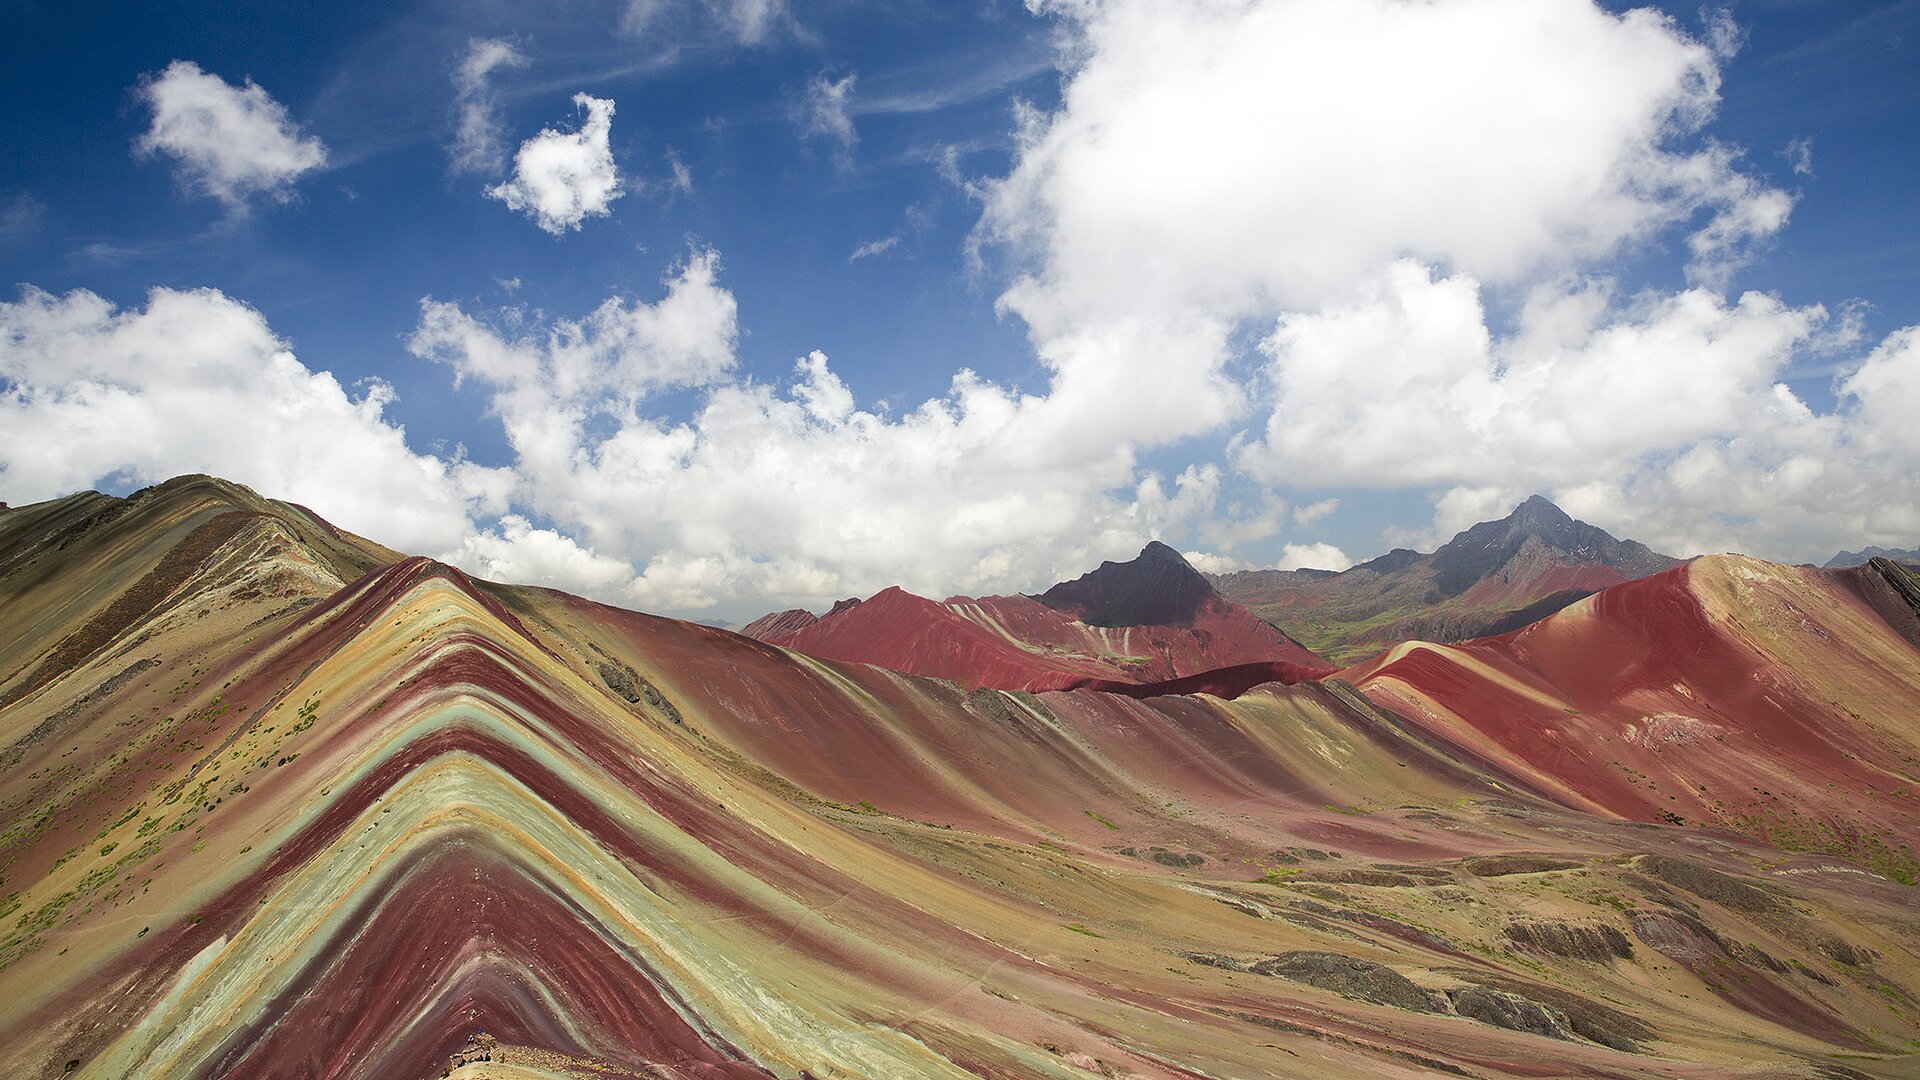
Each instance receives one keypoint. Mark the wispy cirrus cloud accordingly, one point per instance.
(479, 142)
(1799, 155)
(745, 22)
(825, 113)
(875, 247)
(21, 216)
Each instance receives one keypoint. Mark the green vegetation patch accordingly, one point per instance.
(1795, 832)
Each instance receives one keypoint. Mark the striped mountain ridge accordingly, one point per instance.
(1771, 700)
(413, 825)
(1135, 627)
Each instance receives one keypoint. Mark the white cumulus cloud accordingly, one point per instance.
(1217, 163)
(1245, 156)
(1663, 415)
(197, 382)
(619, 353)
(518, 552)
(1354, 183)
(1318, 556)
(1407, 386)
(770, 493)
(1208, 563)
(789, 492)
(1314, 512)
(229, 142)
(561, 178)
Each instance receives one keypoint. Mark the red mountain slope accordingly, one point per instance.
(779, 624)
(1728, 692)
(1095, 630)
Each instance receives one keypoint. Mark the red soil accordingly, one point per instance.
(1018, 643)
(1642, 702)
(477, 944)
(1524, 589)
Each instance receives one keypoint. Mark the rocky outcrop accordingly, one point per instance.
(1510, 1011)
(1597, 943)
(1710, 884)
(1518, 862)
(1508, 1004)
(1350, 977)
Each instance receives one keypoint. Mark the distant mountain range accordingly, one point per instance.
(1868, 554)
(1136, 624)
(1155, 618)
(1493, 578)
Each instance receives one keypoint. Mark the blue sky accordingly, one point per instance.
(1281, 282)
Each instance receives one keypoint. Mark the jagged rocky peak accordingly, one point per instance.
(1156, 588)
(1157, 551)
(1537, 517)
(1485, 547)
(1539, 513)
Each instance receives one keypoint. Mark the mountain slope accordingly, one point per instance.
(1145, 621)
(425, 826)
(1522, 567)
(84, 576)
(1728, 691)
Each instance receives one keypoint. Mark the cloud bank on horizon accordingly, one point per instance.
(1294, 248)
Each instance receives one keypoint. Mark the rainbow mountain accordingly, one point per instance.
(277, 801)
